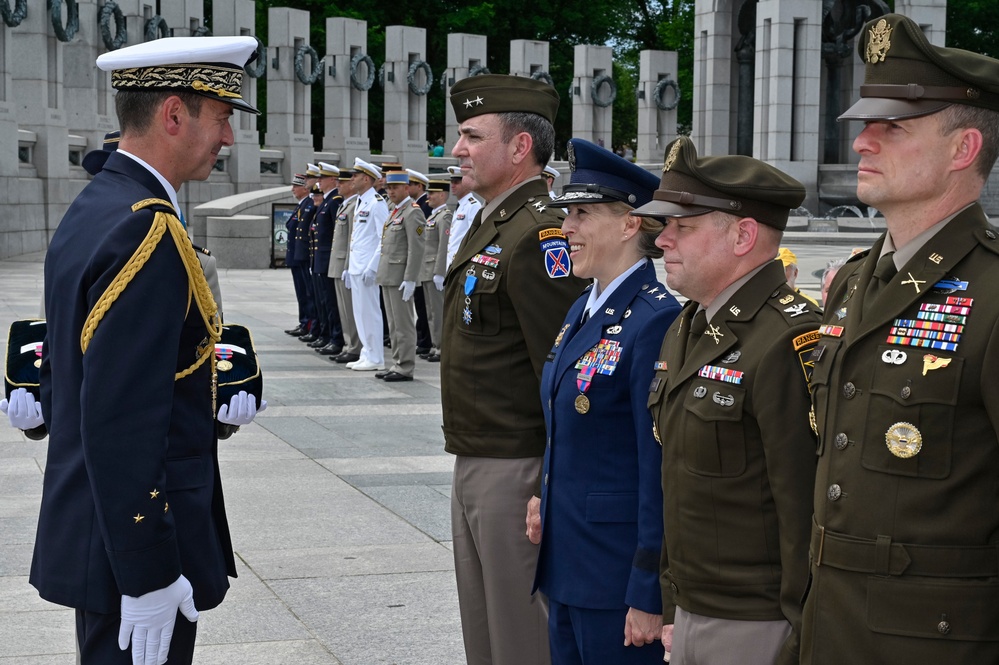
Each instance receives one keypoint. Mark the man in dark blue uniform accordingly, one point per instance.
(297, 257)
(132, 528)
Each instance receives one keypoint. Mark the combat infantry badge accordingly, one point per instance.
(878, 42)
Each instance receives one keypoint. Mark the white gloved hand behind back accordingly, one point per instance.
(22, 410)
(148, 621)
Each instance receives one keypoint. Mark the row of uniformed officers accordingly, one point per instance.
(398, 240)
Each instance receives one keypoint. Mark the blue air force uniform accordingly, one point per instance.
(601, 503)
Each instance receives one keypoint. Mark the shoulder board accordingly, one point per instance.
(379, 197)
(416, 205)
(987, 237)
(159, 205)
(201, 250)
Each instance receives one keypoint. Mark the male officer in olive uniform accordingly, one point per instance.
(435, 236)
(505, 297)
(418, 184)
(730, 406)
(132, 531)
(398, 272)
(905, 546)
(338, 266)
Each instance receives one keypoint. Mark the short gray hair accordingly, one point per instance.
(541, 131)
(961, 116)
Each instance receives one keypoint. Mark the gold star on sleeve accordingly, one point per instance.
(155, 493)
(138, 518)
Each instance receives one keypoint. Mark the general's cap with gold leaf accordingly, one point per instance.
(501, 93)
(208, 66)
(735, 184)
(907, 77)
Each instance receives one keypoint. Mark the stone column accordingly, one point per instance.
(405, 112)
(656, 126)
(465, 54)
(714, 77)
(529, 57)
(346, 103)
(787, 84)
(289, 101)
(238, 18)
(185, 17)
(87, 90)
(931, 15)
(589, 120)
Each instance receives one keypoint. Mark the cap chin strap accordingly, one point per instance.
(688, 199)
(916, 92)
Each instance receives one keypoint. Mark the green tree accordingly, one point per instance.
(974, 26)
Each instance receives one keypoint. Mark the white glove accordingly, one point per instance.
(407, 289)
(368, 278)
(24, 412)
(241, 409)
(439, 282)
(149, 619)
(346, 278)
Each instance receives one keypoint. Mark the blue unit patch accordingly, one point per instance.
(557, 261)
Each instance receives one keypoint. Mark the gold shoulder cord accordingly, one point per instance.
(196, 279)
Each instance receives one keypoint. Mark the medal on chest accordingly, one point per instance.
(470, 279)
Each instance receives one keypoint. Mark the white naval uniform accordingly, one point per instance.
(467, 208)
(365, 251)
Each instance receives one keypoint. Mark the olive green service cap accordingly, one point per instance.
(907, 77)
(735, 184)
(501, 93)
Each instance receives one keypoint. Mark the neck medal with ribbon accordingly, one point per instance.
(470, 279)
(223, 352)
(601, 359)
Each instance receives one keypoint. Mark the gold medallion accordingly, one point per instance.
(224, 365)
(582, 404)
(903, 440)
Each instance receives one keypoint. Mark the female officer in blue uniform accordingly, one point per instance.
(601, 525)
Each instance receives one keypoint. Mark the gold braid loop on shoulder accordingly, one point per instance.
(198, 285)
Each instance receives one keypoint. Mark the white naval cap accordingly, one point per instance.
(551, 171)
(368, 169)
(328, 170)
(454, 171)
(311, 170)
(418, 177)
(208, 66)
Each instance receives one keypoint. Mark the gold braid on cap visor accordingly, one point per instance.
(226, 82)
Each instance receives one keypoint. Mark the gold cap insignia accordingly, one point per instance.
(878, 42)
(671, 157)
(903, 440)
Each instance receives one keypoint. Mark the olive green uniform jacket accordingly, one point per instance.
(435, 235)
(904, 554)
(493, 353)
(738, 457)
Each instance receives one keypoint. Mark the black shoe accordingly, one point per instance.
(308, 338)
(345, 357)
(391, 377)
(330, 349)
(319, 343)
(296, 332)
(422, 351)
(434, 358)
(382, 375)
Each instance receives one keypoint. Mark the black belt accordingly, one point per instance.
(881, 556)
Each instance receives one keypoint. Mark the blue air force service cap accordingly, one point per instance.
(207, 66)
(907, 77)
(600, 176)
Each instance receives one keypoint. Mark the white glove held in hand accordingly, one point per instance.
(407, 289)
(346, 278)
(22, 410)
(241, 409)
(149, 619)
(368, 278)
(439, 282)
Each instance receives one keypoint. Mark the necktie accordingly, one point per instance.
(697, 327)
(883, 273)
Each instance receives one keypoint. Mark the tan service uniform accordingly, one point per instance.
(402, 253)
